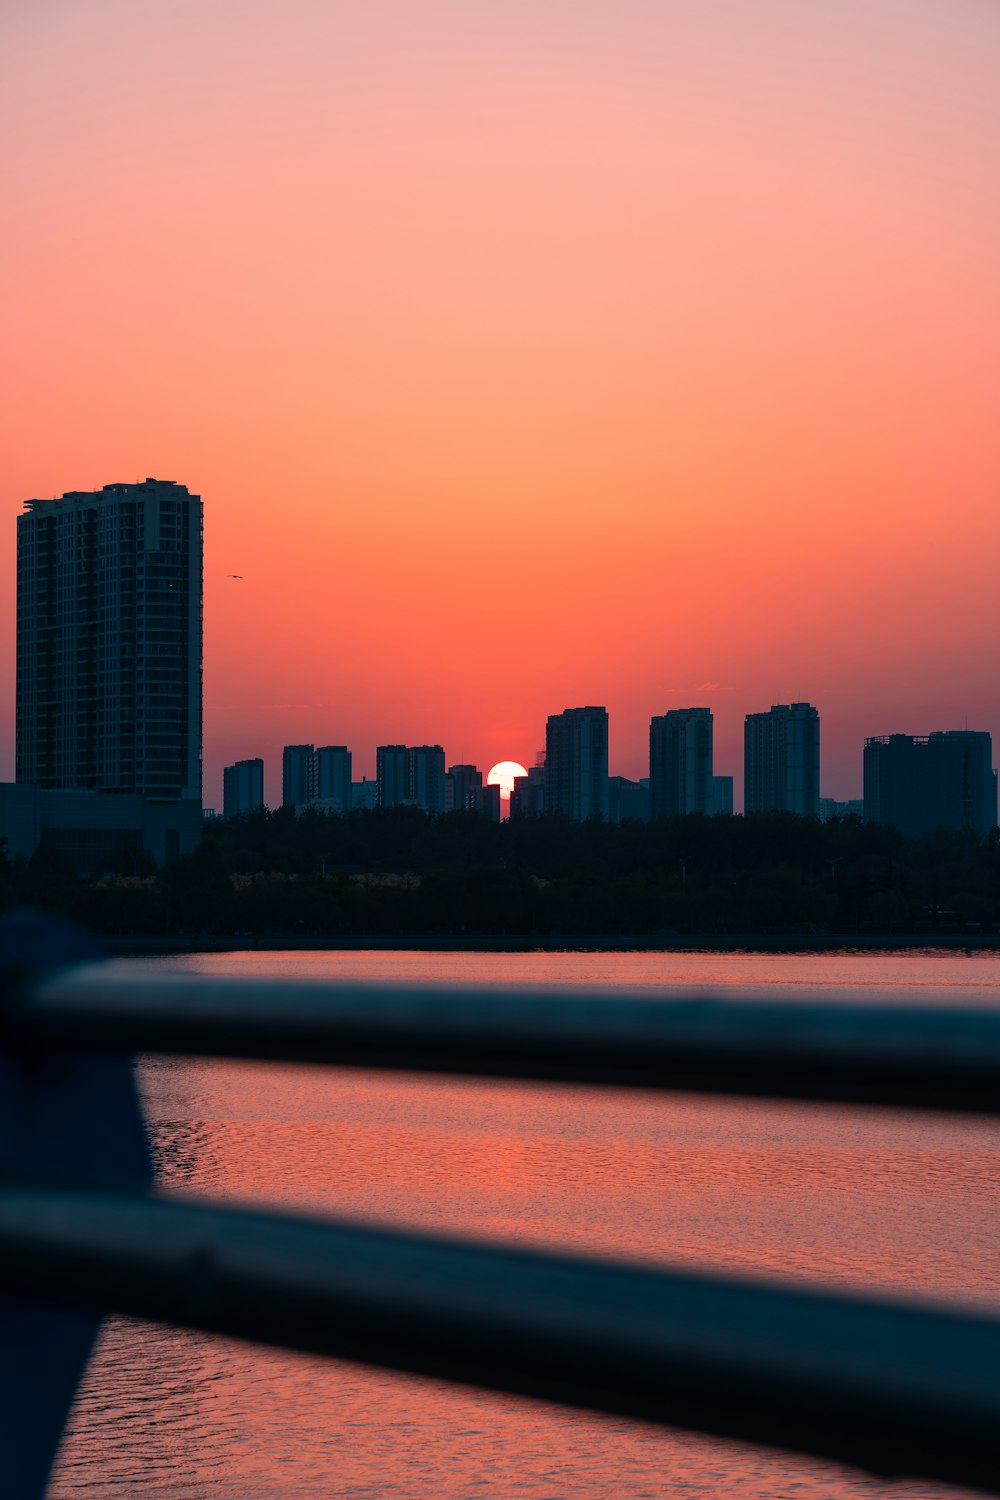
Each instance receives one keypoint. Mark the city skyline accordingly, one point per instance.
(510, 382)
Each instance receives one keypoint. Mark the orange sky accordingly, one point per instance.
(525, 354)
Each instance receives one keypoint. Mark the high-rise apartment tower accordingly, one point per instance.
(680, 762)
(781, 760)
(576, 763)
(109, 641)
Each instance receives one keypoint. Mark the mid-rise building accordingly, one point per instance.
(242, 787)
(391, 775)
(298, 775)
(489, 803)
(680, 762)
(333, 777)
(425, 772)
(781, 760)
(527, 798)
(411, 776)
(722, 795)
(576, 763)
(463, 789)
(109, 641)
(922, 783)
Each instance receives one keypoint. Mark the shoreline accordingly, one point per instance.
(165, 947)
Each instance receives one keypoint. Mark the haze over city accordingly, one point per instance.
(526, 356)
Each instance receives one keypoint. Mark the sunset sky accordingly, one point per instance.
(525, 355)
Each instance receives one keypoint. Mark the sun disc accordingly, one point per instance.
(502, 775)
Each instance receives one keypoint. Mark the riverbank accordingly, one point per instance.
(711, 942)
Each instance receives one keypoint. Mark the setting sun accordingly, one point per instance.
(502, 775)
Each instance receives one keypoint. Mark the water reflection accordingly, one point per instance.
(850, 1196)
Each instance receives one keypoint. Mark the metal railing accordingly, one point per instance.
(895, 1386)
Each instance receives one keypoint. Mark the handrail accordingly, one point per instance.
(928, 1057)
(902, 1389)
(899, 1387)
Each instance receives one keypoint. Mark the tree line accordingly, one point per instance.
(397, 873)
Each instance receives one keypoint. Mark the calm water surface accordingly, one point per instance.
(838, 1195)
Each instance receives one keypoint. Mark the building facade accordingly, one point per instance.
(781, 760)
(576, 763)
(333, 777)
(527, 798)
(298, 775)
(628, 801)
(722, 796)
(680, 762)
(922, 783)
(242, 787)
(109, 641)
(463, 789)
(411, 776)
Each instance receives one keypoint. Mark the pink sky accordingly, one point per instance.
(525, 355)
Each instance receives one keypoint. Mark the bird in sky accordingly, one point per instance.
(235, 575)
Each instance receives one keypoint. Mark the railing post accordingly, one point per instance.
(65, 1118)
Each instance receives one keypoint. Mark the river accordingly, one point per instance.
(846, 1196)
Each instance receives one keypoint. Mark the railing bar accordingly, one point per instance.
(927, 1056)
(896, 1388)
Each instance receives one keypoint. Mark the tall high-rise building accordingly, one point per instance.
(109, 641)
(576, 763)
(333, 777)
(242, 787)
(298, 775)
(922, 783)
(680, 762)
(781, 760)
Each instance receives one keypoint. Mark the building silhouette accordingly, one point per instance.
(333, 778)
(922, 783)
(109, 641)
(722, 795)
(242, 787)
(411, 776)
(527, 797)
(391, 775)
(628, 801)
(781, 760)
(298, 775)
(576, 763)
(830, 807)
(463, 789)
(680, 762)
(109, 632)
(364, 794)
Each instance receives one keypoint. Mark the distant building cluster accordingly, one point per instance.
(405, 776)
(109, 719)
(913, 783)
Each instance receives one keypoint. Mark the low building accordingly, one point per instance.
(87, 827)
(628, 801)
(721, 795)
(829, 808)
(364, 794)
